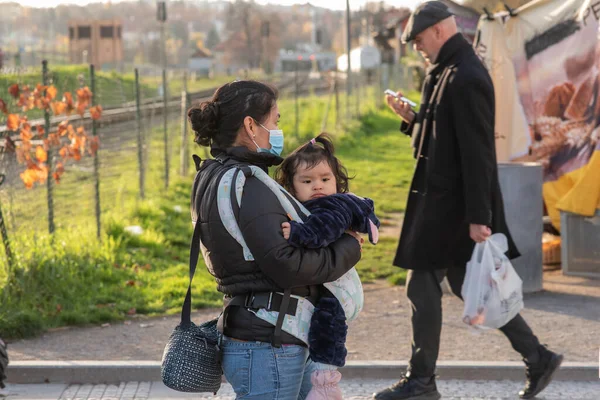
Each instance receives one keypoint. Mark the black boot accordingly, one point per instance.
(539, 370)
(410, 388)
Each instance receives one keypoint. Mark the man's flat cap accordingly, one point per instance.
(425, 15)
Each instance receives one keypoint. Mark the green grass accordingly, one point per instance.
(379, 157)
(376, 262)
(70, 278)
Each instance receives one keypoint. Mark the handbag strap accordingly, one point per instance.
(186, 311)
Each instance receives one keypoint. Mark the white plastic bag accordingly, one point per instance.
(492, 290)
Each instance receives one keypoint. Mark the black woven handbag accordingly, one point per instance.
(191, 360)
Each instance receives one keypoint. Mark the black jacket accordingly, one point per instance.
(277, 265)
(456, 177)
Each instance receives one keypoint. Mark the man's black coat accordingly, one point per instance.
(456, 176)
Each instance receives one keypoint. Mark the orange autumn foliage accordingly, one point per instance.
(14, 90)
(41, 154)
(51, 93)
(68, 100)
(58, 107)
(96, 112)
(58, 171)
(12, 122)
(71, 143)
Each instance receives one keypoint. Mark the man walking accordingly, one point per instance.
(455, 198)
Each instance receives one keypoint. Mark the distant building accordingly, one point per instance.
(362, 59)
(305, 60)
(97, 42)
(201, 63)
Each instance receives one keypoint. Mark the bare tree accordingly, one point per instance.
(244, 43)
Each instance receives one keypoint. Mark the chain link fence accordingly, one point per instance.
(145, 140)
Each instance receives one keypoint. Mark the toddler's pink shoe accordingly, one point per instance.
(325, 385)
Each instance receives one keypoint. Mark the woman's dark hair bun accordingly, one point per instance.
(217, 122)
(204, 120)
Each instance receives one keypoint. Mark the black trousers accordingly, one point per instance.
(425, 297)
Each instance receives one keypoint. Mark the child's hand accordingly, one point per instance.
(357, 236)
(286, 230)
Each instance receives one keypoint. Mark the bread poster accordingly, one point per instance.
(545, 63)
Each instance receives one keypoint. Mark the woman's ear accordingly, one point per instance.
(249, 127)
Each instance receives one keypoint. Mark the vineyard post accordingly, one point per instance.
(183, 154)
(165, 122)
(337, 98)
(5, 240)
(50, 182)
(140, 139)
(96, 158)
(358, 78)
(296, 104)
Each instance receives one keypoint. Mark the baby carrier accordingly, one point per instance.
(347, 289)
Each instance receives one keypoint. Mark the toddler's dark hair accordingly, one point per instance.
(312, 153)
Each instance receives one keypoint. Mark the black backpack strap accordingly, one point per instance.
(276, 339)
(233, 198)
(294, 203)
(234, 204)
(197, 161)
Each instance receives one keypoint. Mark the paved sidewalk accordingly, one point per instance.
(565, 316)
(354, 389)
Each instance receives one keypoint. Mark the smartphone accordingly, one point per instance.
(404, 99)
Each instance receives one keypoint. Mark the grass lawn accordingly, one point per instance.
(71, 278)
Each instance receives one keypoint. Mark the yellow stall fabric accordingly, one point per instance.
(545, 61)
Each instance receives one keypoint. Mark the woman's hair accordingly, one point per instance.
(218, 120)
(310, 154)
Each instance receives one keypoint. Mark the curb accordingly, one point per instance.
(111, 372)
(469, 370)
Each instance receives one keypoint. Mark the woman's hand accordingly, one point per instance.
(356, 236)
(286, 227)
(402, 109)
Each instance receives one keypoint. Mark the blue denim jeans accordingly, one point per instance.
(260, 371)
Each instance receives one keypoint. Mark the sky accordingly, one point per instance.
(333, 4)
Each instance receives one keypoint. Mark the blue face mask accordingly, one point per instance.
(275, 140)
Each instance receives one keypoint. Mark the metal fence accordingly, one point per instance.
(144, 138)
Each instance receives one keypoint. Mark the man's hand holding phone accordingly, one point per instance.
(400, 105)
